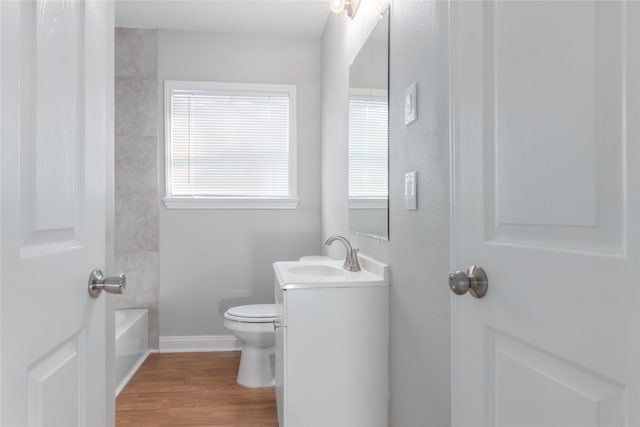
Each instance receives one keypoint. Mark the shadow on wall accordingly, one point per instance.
(265, 249)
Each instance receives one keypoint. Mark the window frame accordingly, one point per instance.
(172, 201)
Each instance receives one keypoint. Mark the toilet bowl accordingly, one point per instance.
(253, 326)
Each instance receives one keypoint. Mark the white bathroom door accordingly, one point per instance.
(545, 154)
(55, 111)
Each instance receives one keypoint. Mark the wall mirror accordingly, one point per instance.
(369, 135)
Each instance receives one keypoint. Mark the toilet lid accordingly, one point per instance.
(252, 313)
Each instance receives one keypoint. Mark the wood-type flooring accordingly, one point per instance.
(193, 389)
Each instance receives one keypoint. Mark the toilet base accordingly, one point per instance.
(257, 367)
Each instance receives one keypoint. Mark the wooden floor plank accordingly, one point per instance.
(193, 389)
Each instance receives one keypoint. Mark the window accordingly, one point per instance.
(368, 148)
(230, 145)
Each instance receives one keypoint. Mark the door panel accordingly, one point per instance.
(532, 387)
(55, 382)
(553, 124)
(545, 200)
(52, 120)
(55, 111)
(531, 73)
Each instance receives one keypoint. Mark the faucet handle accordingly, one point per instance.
(355, 263)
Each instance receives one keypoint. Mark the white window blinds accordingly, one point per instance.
(368, 152)
(229, 142)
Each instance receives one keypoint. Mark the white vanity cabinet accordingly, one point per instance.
(332, 346)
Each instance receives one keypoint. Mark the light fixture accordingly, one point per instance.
(351, 6)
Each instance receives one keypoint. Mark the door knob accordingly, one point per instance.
(110, 284)
(473, 280)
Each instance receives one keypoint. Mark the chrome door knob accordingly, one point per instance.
(111, 284)
(473, 280)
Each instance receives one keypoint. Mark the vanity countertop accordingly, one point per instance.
(330, 274)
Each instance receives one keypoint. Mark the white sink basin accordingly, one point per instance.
(315, 270)
(330, 273)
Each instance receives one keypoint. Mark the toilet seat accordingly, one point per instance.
(254, 313)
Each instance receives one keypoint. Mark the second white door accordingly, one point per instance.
(546, 108)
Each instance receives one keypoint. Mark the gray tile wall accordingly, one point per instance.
(136, 171)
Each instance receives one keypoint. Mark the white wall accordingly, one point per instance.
(211, 260)
(418, 250)
(369, 70)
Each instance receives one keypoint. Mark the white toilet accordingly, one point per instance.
(253, 325)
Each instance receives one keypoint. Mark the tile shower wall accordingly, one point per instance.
(136, 170)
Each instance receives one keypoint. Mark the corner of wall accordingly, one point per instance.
(418, 249)
(341, 41)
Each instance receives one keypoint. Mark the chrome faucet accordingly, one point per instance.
(351, 262)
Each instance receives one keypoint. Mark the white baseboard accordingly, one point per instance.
(194, 343)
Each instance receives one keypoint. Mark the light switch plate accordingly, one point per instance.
(410, 190)
(410, 103)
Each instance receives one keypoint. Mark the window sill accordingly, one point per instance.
(369, 203)
(229, 203)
